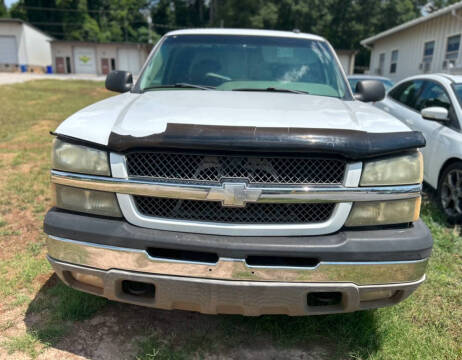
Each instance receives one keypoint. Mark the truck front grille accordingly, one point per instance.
(255, 169)
(252, 213)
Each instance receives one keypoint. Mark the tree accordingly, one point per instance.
(95, 20)
(344, 22)
(435, 5)
(3, 11)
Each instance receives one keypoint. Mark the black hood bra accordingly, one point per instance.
(351, 144)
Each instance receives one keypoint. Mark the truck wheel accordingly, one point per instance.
(450, 192)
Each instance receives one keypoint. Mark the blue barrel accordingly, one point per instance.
(49, 69)
(23, 68)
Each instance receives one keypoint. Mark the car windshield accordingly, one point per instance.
(387, 83)
(458, 91)
(245, 63)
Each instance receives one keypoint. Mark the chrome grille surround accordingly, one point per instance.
(256, 169)
(336, 213)
(252, 213)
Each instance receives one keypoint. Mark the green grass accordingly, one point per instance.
(73, 305)
(27, 343)
(428, 325)
(32, 110)
(157, 347)
(20, 271)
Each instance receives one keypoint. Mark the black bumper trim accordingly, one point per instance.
(413, 243)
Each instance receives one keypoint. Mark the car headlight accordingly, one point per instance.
(87, 201)
(79, 159)
(397, 170)
(370, 213)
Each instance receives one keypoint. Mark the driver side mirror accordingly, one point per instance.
(119, 81)
(437, 113)
(369, 91)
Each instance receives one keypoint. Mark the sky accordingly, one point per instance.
(8, 3)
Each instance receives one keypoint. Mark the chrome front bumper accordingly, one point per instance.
(231, 285)
(110, 257)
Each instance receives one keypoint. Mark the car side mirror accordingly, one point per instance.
(436, 113)
(119, 81)
(369, 91)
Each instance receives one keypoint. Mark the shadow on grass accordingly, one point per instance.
(93, 327)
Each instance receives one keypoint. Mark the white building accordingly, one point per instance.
(347, 59)
(427, 44)
(97, 58)
(23, 46)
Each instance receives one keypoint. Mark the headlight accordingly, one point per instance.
(88, 201)
(79, 159)
(370, 213)
(400, 170)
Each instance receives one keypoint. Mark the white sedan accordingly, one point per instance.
(432, 104)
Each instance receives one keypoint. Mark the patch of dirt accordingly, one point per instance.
(99, 92)
(17, 145)
(116, 332)
(269, 352)
(24, 228)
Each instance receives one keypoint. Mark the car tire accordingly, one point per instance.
(450, 192)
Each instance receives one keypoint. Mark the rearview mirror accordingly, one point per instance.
(437, 113)
(119, 81)
(369, 90)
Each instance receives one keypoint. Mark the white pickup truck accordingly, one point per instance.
(239, 175)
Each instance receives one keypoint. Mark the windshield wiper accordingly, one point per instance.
(179, 86)
(272, 89)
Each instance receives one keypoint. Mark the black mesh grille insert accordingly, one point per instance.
(257, 169)
(252, 213)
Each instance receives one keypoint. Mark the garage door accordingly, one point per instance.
(129, 60)
(85, 60)
(8, 50)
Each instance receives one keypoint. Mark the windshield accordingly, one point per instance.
(458, 91)
(387, 83)
(244, 63)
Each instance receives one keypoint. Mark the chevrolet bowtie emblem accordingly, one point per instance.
(234, 194)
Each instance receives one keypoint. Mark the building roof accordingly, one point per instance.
(245, 32)
(22, 22)
(346, 51)
(78, 42)
(409, 24)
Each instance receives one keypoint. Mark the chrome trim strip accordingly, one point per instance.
(265, 194)
(111, 257)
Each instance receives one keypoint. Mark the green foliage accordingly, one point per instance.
(3, 11)
(85, 20)
(343, 22)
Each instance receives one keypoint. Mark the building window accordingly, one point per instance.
(452, 51)
(381, 68)
(429, 48)
(394, 61)
(113, 67)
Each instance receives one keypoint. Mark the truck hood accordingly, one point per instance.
(141, 115)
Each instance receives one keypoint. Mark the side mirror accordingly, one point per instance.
(119, 81)
(437, 113)
(369, 90)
